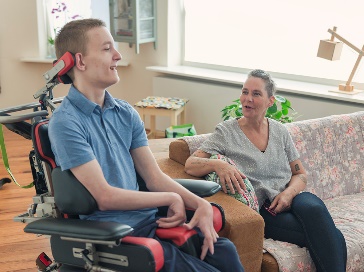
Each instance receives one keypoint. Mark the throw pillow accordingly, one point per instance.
(248, 197)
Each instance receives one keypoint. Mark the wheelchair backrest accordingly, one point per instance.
(41, 143)
(70, 196)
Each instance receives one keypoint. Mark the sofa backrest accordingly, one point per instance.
(331, 150)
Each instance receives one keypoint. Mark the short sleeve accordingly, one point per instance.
(214, 144)
(139, 135)
(68, 130)
(291, 151)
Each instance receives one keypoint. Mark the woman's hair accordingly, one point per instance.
(270, 85)
(73, 36)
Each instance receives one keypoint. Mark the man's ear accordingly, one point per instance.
(79, 61)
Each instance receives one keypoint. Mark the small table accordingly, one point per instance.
(161, 106)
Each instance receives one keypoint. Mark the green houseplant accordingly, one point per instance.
(281, 110)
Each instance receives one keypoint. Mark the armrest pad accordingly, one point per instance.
(179, 151)
(77, 228)
(202, 188)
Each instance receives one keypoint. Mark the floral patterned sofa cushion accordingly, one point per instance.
(348, 216)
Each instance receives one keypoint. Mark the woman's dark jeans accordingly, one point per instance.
(309, 224)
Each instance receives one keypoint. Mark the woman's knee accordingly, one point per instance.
(308, 203)
(307, 200)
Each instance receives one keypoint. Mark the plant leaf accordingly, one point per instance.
(280, 98)
(272, 109)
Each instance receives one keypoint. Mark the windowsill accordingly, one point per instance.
(46, 60)
(284, 85)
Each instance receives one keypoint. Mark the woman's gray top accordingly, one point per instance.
(268, 171)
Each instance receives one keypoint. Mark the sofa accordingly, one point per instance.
(332, 152)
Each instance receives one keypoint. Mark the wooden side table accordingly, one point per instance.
(154, 106)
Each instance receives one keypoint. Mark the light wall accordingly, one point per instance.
(19, 39)
(207, 99)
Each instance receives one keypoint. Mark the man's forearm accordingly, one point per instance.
(166, 184)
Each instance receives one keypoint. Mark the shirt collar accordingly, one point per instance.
(85, 105)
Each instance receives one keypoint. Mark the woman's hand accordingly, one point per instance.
(230, 177)
(282, 202)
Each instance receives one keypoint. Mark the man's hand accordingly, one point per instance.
(176, 215)
(230, 177)
(203, 219)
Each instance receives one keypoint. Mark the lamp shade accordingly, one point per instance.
(330, 50)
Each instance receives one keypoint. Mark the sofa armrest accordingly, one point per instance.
(244, 227)
(179, 151)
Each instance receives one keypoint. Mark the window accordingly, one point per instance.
(54, 14)
(58, 13)
(279, 36)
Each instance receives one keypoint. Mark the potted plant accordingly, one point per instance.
(51, 49)
(281, 110)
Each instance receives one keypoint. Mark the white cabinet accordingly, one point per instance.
(133, 22)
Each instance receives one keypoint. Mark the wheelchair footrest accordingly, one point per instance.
(79, 229)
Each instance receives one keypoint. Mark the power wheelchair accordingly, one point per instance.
(82, 245)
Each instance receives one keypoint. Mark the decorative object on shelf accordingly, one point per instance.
(133, 22)
(279, 111)
(331, 50)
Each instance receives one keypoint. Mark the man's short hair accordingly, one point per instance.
(73, 36)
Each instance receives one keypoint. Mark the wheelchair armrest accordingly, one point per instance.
(79, 229)
(200, 187)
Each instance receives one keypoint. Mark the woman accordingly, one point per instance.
(264, 150)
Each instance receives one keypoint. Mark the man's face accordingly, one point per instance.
(100, 59)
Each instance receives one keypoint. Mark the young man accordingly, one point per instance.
(102, 141)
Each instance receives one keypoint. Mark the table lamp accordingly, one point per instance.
(331, 50)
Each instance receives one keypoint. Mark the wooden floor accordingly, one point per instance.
(18, 250)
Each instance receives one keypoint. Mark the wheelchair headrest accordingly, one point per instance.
(41, 143)
(70, 195)
(68, 60)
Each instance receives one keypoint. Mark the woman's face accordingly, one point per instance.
(254, 98)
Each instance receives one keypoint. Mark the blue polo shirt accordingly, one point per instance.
(80, 131)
